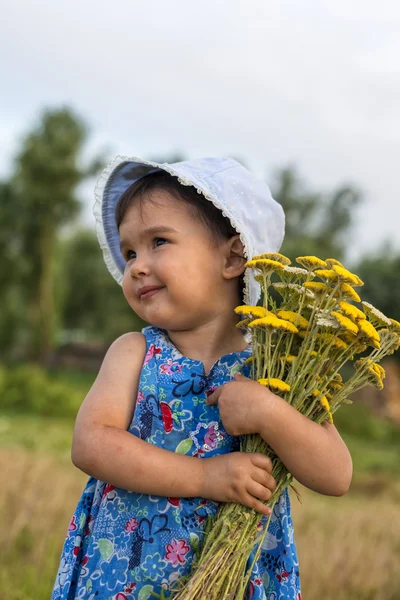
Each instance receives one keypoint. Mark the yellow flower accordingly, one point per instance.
(373, 374)
(346, 277)
(348, 337)
(395, 325)
(316, 287)
(351, 311)
(274, 256)
(243, 324)
(360, 348)
(360, 281)
(326, 274)
(333, 261)
(390, 339)
(367, 330)
(265, 265)
(294, 318)
(379, 370)
(259, 279)
(311, 262)
(344, 322)
(325, 404)
(289, 358)
(249, 360)
(296, 271)
(285, 289)
(336, 385)
(275, 384)
(377, 318)
(348, 292)
(255, 311)
(274, 323)
(328, 338)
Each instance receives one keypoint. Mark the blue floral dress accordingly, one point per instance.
(124, 545)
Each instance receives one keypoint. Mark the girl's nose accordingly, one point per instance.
(139, 267)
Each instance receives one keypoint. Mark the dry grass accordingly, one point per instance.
(349, 548)
(37, 500)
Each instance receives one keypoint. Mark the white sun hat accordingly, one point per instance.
(245, 200)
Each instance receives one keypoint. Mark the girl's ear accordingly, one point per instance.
(234, 258)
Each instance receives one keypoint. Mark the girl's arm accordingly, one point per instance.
(102, 446)
(315, 454)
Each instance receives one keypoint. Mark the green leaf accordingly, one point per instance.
(145, 592)
(184, 446)
(106, 548)
(89, 585)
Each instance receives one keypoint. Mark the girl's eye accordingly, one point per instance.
(131, 254)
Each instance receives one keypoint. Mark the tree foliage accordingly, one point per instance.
(316, 224)
(38, 200)
(380, 273)
(90, 299)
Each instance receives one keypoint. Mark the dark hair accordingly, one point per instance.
(218, 226)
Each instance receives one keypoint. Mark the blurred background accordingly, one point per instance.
(305, 95)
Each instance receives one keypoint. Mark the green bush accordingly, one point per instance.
(357, 420)
(28, 388)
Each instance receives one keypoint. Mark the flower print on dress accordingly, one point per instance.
(164, 504)
(153, 566)
(84, 571)
(109, 493)
(207, 436)
(153, 350)
(131, 525)
(169, 367)
(114, 572)
(123, 542)
(115, 508)
(72, 526)
(173, 416)
(148, 408)
(176, 551)
(147, 531)
(63, 572)
(196, 384)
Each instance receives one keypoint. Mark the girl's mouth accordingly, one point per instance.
(149, 294)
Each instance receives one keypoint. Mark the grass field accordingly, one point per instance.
(349, 548)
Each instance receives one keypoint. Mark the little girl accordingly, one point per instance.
(160, 453)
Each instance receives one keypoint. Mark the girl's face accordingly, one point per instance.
(165, 246)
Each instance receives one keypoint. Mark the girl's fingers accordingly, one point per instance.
(264, 478)
(259, 491)
(258, 506)
(261, 461)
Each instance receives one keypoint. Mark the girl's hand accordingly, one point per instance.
(242, 477)
(242, 405)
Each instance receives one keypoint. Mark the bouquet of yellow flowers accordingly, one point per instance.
(299, 348)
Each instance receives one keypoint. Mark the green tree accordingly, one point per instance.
(90, 300)
(12, 270)
(380, 273)
(47, 173)
(316, 224)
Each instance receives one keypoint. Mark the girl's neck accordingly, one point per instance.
(209, 341)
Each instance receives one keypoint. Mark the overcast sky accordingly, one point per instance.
(310, 83)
